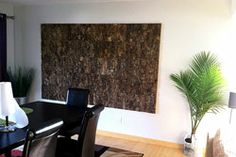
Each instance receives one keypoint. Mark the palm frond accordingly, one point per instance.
(202, 85)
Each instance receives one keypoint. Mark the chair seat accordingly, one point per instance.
(69, 133)
(66, 147)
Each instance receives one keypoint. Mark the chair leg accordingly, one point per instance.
(99, 150)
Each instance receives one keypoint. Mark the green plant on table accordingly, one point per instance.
(202, 85)
(21, 80)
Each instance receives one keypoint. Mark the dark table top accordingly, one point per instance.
(43, 111)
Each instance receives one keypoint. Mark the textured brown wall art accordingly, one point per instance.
(117, 62)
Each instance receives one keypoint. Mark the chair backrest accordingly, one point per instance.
(77, 97)
(41, 141)
(86, 139)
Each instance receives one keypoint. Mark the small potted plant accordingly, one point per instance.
(21, 80)
(202, 86)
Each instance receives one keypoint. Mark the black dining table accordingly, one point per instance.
(42, 112)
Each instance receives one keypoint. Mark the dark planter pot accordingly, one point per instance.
(21, 100)
(189, 146)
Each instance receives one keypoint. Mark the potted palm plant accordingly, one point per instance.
(21, 80)
(202, 86)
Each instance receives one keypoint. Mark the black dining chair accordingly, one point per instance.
(41, 141)
(76, 97)
(84, 146)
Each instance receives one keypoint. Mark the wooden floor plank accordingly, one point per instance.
(149, 150)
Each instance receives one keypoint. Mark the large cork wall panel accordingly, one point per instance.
(117, 62)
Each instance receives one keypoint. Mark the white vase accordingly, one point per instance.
(21, 100)
(190, 146)
(19, 117)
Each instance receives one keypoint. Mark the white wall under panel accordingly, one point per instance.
(188, 26)
(232, 7)
(9, 10)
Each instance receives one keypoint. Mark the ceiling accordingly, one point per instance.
(35, 2)
(231, 3)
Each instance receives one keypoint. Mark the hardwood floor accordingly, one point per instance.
(149, 150)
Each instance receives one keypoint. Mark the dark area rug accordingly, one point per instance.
(109, 152)
(115, 152)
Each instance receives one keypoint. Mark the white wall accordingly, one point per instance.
(9, 10)
(188, 26)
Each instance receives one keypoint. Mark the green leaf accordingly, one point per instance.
(202, 85)
(21, 80)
